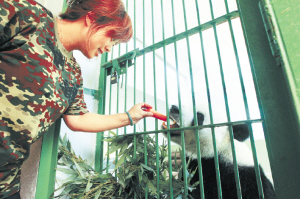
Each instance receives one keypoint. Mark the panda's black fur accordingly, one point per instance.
(244, 158)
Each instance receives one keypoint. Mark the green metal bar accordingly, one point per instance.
(216, 158)
(144, 94)
(237, 181)
(274, 99)
(257, 171)
(167, 105)
(118, 98)
(203, 126)
(109, 112)
(101, 110)
(194, 102)
(190, 32)
(126, 89)
(184, 167)
(155, 107)
(118, 101)
(48, 162)
(200, 127)
(126, 78)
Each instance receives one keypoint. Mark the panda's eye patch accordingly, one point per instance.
(200, 118)
(174, 109)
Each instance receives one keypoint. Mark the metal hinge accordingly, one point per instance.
(117, 67)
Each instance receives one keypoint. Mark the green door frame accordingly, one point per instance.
(277, 101)
(48, 162)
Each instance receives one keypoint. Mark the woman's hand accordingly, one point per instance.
(137, 113)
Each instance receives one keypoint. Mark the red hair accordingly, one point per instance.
(103, 13)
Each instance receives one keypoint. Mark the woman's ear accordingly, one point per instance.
(89, 19)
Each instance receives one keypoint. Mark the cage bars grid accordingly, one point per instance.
(200, 173)
(237, 181)
(184, 166)
(257, 171)
(162, 44)
(218, 177)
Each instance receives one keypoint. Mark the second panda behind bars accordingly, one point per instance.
(247, 176)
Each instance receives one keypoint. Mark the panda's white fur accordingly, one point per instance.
(243, 154)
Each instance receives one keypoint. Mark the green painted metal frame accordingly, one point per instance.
(48, 161)
(211, 24)
(276, 91)
(101, 110)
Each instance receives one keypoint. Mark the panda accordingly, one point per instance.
(243, 154)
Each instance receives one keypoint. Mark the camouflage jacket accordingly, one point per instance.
(39, 81)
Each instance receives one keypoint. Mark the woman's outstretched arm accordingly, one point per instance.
(92, 122)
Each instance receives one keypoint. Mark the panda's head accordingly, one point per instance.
(205, 134)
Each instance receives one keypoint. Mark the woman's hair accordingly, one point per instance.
(103, 13)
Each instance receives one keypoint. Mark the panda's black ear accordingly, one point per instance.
(240, 132)
(200, 119)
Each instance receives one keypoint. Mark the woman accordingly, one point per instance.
(40, 80)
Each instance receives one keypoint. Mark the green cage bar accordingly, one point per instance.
(101, 110)
(155, 104)
(144, 94)
(184, 166)
(167, 104)
(238, 185)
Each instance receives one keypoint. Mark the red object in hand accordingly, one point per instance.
(156, 114)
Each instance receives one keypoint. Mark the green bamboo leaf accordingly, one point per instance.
(147, 167)
(130, 175)
(79, 169)
(108, 139)
(97, 195)
(152, 187)
(124, 147)
(69, 145)
(140, 176)
(88, 186)
(66, 171)
(105, 176)
(114, 148)
(120, 161)
(113, 133)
